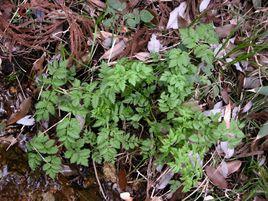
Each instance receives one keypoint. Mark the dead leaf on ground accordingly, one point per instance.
(247, 107)
(8, 139)
(98, 4)
(24, 109)
(154, 44)
(203, 5)
(224, 31)
(107, 39)
(142, 56)
(28, 120)
(180, 11)
(109, 172)
(224, 150)
(228, 168)
(225, 95)
(38, 65)
(122, 179)
(208, 197)
(115, 50)
(164, 181)
(126, 196)
(251, 82)
(215, 177)
(227, 115)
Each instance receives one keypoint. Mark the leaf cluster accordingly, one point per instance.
(116, 10)
(138, 106)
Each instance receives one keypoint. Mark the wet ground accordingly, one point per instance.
(17, 182)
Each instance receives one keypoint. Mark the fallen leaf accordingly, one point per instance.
(247, 107)
(227, 115)
(218, 108)
(24, 109)
(7, 139)
(229, 152)
(208, 197)
(122, 179)
(107, 43)
(219, 52)
(235, 113)
(126, 196)
(224, 31)
(263, 60)
(211, 112)
(164, 181)
(215, 177)
(173, 22)
(225, 95)
(228, 168)
(223, 169)
(109, 172)
(203, 5)
(218, 105)
(28, 120)
(233, 166)
(251, 82)
(67, 171)
(114, 50)
(38, 65)
(142, 56)
(98, 3)
(154, 44)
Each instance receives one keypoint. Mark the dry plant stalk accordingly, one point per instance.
(36, 33)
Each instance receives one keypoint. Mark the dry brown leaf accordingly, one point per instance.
(114, 50)
(24, 109)
(98, 3)
(215, 177)
(38, 65)
(231, 167)
(109, 172)
(8, 139)
(225, 30)
(142, 56)
(122, 179)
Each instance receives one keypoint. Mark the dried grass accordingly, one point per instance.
(36, 33)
